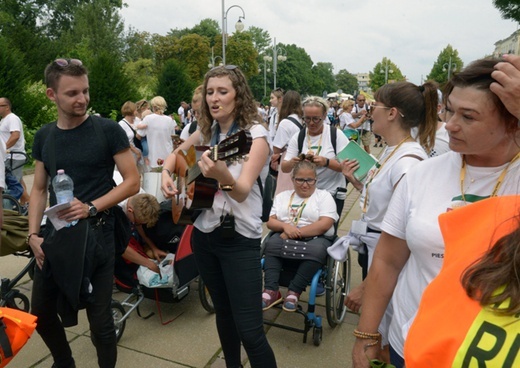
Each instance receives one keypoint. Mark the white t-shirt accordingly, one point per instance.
(345, 119)
(159, 136)
(442, 140)
(2, 164)
(430, 188)
(328, 179)
(247, 213)
(129, 133)
(356, 109)
(273, 119)
(319, 204)
(286, 129)
(180, 112)
(12, 123)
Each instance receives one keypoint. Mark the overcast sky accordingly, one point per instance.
(352, 35)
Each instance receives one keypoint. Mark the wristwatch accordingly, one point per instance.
(92, 210)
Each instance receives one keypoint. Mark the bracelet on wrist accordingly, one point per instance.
(367, 336)
(168, 171)
(28, 238)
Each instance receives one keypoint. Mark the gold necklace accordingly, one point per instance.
(497, 184)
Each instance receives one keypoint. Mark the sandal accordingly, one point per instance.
(270, 298)
(291, 301)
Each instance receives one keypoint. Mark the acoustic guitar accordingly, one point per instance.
(195, 191)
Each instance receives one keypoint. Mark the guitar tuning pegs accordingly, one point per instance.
(234, 162)
(246, 158)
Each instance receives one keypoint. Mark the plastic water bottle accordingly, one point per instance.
(63, 187)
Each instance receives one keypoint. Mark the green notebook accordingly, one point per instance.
(354, 152)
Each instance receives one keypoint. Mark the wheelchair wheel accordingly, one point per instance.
(11, 203)
(317, 335)
(117, 313)
(205, 298)
(18, 301)
(338, 285)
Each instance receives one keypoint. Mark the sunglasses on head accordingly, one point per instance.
(67, 62)
(227, 67)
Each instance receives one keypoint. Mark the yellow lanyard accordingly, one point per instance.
(301, 206)
(379, 168)
(498, 183)
(309, 144)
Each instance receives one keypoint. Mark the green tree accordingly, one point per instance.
(109, 86)
(143, 75)
(193, 50)
(324, 80)
(510, 9)
(138, 45)
(14, 73)
(347, 82)
(240, 51)
(261, 39)
(175, 84)
(442, 66)
(97, 28)
(385, 69)
(296, 72)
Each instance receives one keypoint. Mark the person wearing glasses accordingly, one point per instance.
(317, 147)
(484, 162)
(226, 237)
(74, 144)
(304, 213)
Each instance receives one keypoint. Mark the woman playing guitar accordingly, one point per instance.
(226, 238)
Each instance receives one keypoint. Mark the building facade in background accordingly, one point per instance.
(510, 45)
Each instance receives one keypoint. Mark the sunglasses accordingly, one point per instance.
(66, 62)
(227, 67)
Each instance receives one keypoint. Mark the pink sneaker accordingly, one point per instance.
(291, 301)
(270, 298)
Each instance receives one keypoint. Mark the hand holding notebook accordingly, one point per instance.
(354, 152)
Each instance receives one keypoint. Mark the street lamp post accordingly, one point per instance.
(386, 71)
(239, 26)
(276, 58)
(266, 59)
(213, 60)
(449, 66)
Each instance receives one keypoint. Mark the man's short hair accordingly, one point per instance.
(128, 108)
(54, 71)
(7, 102)
(146, 209)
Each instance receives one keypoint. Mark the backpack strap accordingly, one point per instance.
(333, 137)
(296, 122)
(301, 137)
(5, 344)
(193, 127)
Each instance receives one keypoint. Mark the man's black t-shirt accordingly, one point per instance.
(79, 152)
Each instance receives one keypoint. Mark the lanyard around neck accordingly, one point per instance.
(309, 144)
(497, 184)
(301, 207)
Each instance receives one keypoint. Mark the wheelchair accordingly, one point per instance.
(186, 272)
(335, 276)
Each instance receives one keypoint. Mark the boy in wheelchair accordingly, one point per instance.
(302, 221)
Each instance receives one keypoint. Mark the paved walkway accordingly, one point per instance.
(191, 339)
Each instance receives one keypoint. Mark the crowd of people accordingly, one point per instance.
(449, 157)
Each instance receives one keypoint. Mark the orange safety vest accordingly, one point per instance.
(450, 329)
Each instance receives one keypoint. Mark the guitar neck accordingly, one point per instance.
(193, 173)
